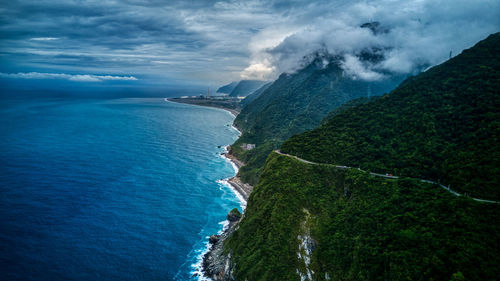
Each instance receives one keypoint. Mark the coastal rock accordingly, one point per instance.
(213, 239)
(234, 215)
(218, 265)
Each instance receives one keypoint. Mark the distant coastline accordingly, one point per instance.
(211, 260)
(230, 105)
(242, 189)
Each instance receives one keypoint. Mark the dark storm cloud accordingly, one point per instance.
(219, 41)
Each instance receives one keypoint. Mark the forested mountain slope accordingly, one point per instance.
(442, 125)
(255, 94)
(320, 222)
(246, 87)
(298, 102)
(227, 89)
(338, 224)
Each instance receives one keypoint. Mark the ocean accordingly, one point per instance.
(120, 189)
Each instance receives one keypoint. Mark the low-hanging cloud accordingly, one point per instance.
(64, 76)
(407, 35)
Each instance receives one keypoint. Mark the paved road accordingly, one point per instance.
(386, 176)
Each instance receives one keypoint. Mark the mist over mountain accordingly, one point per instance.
(327, 207)
(407, 34)
(437, 125)
(298, 102)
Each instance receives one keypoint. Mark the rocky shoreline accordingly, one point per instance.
(243, 189)
(217, 264)
(230, 106)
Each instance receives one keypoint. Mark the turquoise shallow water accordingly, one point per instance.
(120, 189)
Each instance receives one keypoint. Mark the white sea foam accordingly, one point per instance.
(239, 132)
(243, 202)
(235, 167)
(198, 266)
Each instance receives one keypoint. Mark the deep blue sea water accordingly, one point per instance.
(122, 189)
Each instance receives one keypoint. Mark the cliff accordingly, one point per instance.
(308, 221)
(217, 263)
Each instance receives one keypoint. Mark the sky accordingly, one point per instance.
(197, 44)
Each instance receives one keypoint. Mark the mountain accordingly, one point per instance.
(442, 125)
(298, 102)
(227, 89)
(246, 87)
(255, 94)
(309, 221)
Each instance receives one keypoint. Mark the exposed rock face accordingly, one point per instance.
(244, 189)
(306, 247)
(217, 264)
(234, 215)
(213, 239)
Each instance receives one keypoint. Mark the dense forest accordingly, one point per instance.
(442, 125)
(361, 227)
(255, 94)
(321, 222)
(298, 102)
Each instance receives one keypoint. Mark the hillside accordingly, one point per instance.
(227, 89)
(246, 87)
(442, 125)
(307, 221)
(295, 103)
(343, 224)
(255, 94)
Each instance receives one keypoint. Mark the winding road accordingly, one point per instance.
(385, 176)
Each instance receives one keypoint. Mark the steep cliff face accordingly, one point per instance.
(307, 221)
(319, 222)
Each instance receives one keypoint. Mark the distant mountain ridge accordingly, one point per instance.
(246, 87)
(227, 89)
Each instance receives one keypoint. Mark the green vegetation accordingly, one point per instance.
(295, 103)
(255, 94)
(364, 228)
(442, 125)
(235, 213)
(246, 87)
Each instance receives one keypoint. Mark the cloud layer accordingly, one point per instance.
(219, 41)
(410, 34)
(70, 77)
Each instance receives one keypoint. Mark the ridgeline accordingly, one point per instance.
(311, 221)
